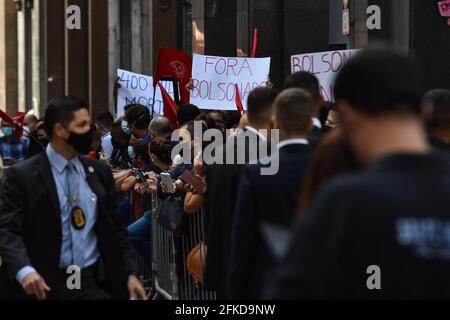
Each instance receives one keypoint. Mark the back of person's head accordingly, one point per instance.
(304, 80)
(140, 149)
(105, 120)
(207, 120)
(233, 119)
(138, 116)
(293, 110)
(332, 157)
(186, 113)
(162, 149)
(259, 106)
(436, 109)
(62, 110)
(380, 82)
(160, 127)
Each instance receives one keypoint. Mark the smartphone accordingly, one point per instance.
(139, 175)
(190, 178)
(168, 182)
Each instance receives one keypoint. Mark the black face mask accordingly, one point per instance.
(81, 142)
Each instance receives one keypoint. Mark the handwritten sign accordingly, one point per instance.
(444, 8)
(138, 89)
(215, 79)
(324, 65)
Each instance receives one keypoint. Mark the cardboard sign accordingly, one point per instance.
(215, 79)
(324, 65)
(138, 89)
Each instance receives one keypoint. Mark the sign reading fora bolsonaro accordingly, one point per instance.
(215, 79)
(324, 65)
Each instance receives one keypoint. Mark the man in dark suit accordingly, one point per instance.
(269, 198)
(223, 180)
(60, 219)
(436, 109)
(309, 82)
(381, 233)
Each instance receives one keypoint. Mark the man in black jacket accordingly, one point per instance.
(382, 233)
(60, 219)
(223, 181)
(270, 198)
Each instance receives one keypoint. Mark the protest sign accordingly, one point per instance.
(215, 79)
(138, 89)
(324, 65)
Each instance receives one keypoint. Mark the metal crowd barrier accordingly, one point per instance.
(171, 278)
(145, 203)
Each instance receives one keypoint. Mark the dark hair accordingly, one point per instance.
(138, 116)
(436, 104)
(233, 119)
(162, 149)
(105, 119)
(61, 110)
(304, 80)
(378, 81)
(259, 104)
(118, 137)
(141, 151)
(331, 157)
(186, 113)
(162, 126)
(206, 118)
(293, 110)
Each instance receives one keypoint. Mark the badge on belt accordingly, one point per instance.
(78, 218)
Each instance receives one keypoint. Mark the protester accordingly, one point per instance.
(309, 82)
(250, 260)
(222, 181)
(12, 148)
(332, 121)
(76, 223)
(219, 118)
(186, 113)
(436, 109)
(389, 219)
(30, 122)
(103, 124)
(38, 140)
(120, 140)
(138, 120)
(160, 128)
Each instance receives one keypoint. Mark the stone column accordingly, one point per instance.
(8, 57)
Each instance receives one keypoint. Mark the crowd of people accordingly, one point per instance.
(360, 183)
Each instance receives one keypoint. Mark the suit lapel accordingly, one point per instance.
(47, 176)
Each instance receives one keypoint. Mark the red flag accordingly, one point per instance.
(255, 43)
(18, 132)
(177, 64)
(170, 107)
(239, 105)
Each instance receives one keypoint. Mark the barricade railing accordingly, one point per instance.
(179, 257)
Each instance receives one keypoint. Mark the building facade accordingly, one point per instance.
(41, 58)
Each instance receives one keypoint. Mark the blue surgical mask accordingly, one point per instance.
(7, 131)
(125, 128)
